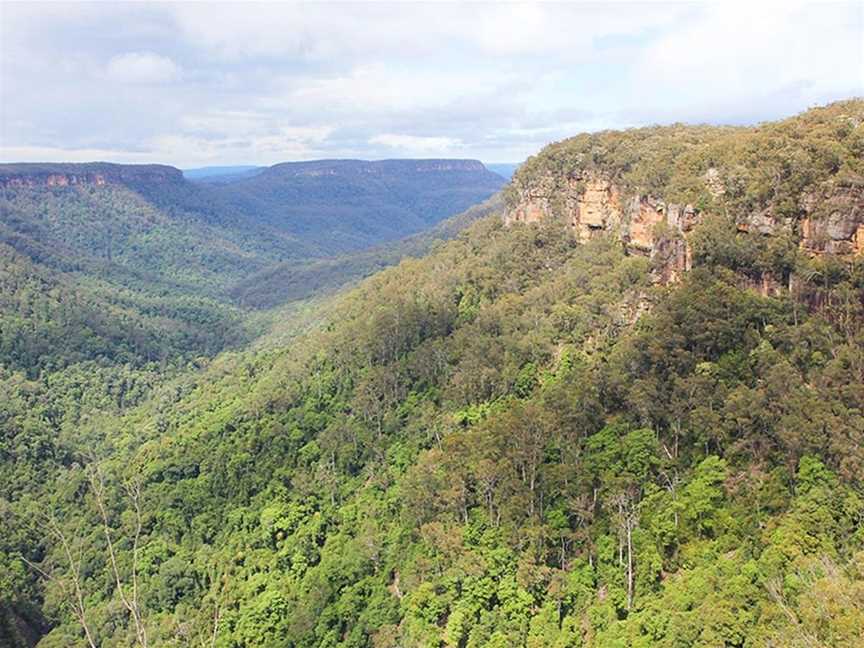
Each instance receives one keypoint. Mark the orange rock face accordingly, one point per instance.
(598, 207)
(834, 222)
(643, 224)
(593, 205)
(87, 174)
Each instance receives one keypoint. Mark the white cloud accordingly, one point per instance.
(734, 62)
(142, 67)
(315, 31)
(394, 88)
(189, 83)
(76, 154)
(415, 145)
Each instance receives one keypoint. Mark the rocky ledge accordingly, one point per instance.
(93, 173)
(832, 222)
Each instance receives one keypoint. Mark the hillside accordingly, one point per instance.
(121, 264)
(797, 183)
(291, 281)
(135, 263)
(346, 205)
(535, 435)
(148, 219)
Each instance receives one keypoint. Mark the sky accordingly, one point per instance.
(196, 84)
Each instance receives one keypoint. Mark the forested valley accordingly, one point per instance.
(528, 432)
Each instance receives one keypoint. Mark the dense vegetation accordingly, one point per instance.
(345, 205)
(290, 281)
(481, 449)
(776, 166)
(149, 267)
(115, 280)
(516, 440)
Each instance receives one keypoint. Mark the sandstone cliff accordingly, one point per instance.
(802, 177)
(91, 173)
(593, 205)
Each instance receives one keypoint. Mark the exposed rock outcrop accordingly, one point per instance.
(833, 222)
(89, 174)
(593, 205)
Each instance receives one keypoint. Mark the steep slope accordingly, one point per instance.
(801, 179)
(144, 222)
(480, 449)
(345, 205)
(151, 263)
(148, 222)
(120, 264)
(290, 281)
(116, 280)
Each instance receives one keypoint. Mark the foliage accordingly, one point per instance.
(512, 441)
(776, 166)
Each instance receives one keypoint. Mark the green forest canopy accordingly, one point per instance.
(515, 440)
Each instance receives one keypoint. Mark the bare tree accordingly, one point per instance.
(628, 520)
(69, 583)
(68, 579)
(128, 594)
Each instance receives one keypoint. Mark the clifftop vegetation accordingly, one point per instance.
(772, 166)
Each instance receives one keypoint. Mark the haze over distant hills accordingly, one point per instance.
(505, 170)
(343, 205)
(137, 262)
(219, 174)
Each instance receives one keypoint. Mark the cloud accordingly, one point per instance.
(192, 84)
(752, 63)
(142, 67)
(76, 154)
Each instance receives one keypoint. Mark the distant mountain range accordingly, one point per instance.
(505, 170)
(140, 262)
(346, 205)
(315, 208)
(222, 174)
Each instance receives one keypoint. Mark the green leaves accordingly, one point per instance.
(482, 448)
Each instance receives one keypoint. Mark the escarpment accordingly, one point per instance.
(802, 178)
(86, 174)
(593, 205)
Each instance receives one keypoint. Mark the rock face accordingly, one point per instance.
(375, 168)
(646, 225)
(593, 205)
(89, 174)
(836, 225)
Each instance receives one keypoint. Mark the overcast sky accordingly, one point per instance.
(201, 84)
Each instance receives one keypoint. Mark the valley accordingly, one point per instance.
(614, 401)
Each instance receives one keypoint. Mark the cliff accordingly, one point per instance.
(90, 173)
(350, 204)
(375, 168)
(652, 187)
